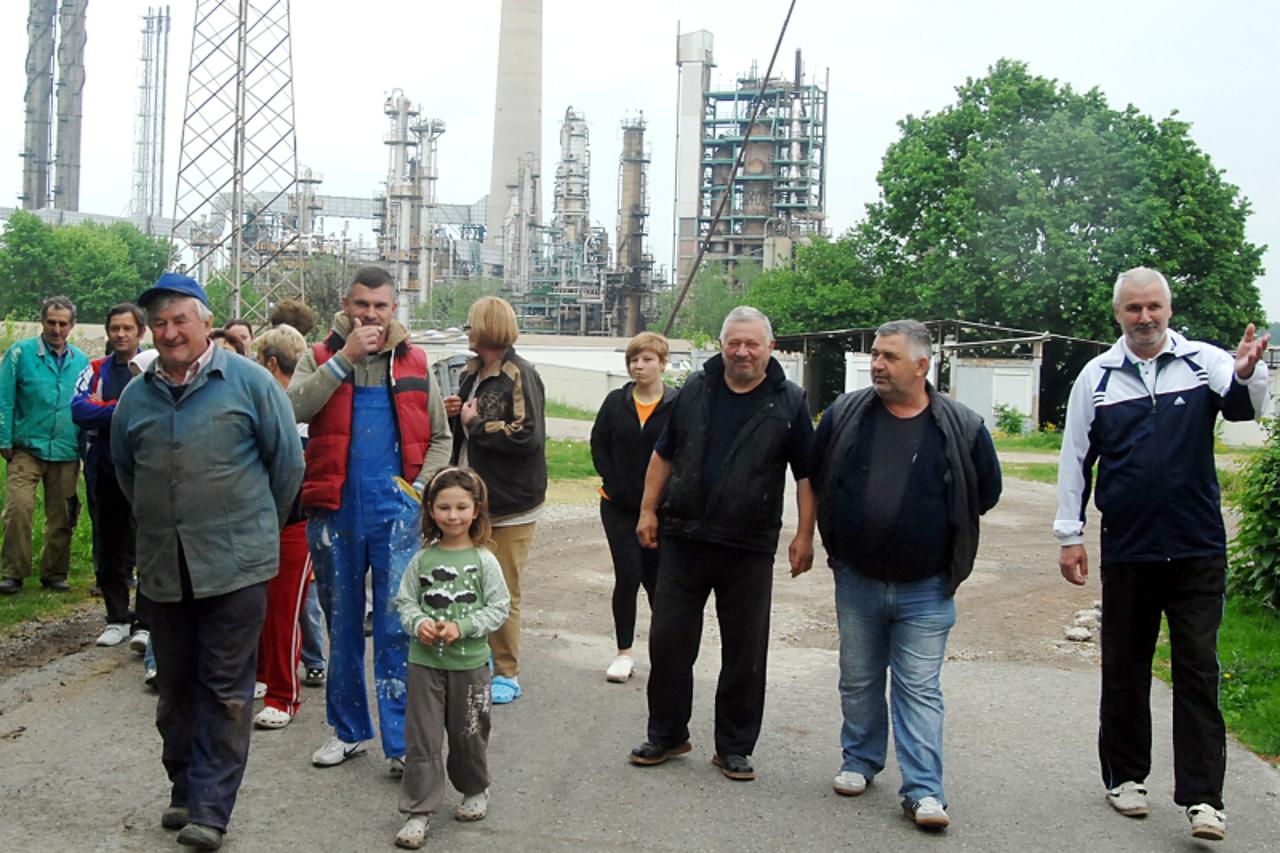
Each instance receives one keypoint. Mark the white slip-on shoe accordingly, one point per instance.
(473, 807)
(849, 783)
(413, 834)
(621, 669)
(335, 751)
(1129, 798)
(1207, 822)
(272, 718)
(115, 634)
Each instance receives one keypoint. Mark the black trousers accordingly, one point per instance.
(633, 567)
(113, 538)
(206, 656)
(1190, 595)
(689, 571)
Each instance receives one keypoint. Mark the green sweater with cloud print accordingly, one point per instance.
(464, 586)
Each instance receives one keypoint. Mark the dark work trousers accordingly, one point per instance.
(206, 654)
(440, 700)
(113, 537)
(633, 567)
(1190, 594)
(742, 580)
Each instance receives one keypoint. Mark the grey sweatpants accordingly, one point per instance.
(442, 700)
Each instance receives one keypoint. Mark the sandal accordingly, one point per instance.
(505, 690)
(413, 834)
(272, 718)
(473, 807)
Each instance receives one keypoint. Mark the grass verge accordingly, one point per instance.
(556, 409)
(1249, 652)
(1040, 472)
(1030, 441)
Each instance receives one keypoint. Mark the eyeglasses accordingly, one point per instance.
(466, 327)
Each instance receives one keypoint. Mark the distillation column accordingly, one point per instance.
(66, 187)
(633, 210)
(41, 35)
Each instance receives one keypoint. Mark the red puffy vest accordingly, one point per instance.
(329, 434)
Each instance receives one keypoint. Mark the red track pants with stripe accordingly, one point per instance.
(281, 643)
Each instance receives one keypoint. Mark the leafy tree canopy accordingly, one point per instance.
(1018, 205)
(95, 266)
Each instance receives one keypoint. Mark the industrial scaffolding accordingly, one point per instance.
(147, 202)
(778, 198)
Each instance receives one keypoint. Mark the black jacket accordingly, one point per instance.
(621, 447)
(506, 444)
(970, 492)
(743, 508)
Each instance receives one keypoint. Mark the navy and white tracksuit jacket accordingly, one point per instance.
(1152, 439)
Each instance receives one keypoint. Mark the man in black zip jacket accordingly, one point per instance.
(719, 470)
(902, 474)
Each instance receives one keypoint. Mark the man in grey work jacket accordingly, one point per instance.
(207, 454)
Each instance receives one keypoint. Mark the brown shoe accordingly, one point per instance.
(8, 586)
(648, 754)
(56, 586)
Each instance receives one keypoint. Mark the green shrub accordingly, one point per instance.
(1255, 552)
(1009, 420)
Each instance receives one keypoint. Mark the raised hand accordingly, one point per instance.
(1250, 352)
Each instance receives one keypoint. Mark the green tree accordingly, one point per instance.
(93, 265)
(715, 292)
(1017, 205)
(450, 301)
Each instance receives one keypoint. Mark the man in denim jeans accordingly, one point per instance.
(902, 474)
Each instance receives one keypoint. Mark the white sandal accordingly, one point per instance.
(414, 833)
(473, 807)
(272, 718)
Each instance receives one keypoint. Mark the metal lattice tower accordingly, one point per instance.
(148, 130)
(236, 210)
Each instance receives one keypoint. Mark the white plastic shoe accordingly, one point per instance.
(335, 751)
(849, 783)
(115, 634)
(621, 669)
(1129, 798)
(473, 807)
(259, 689)
(272, 718)
(1207, 822)
(413, 834)
(138, 641)
(395, 767)
(928, 813)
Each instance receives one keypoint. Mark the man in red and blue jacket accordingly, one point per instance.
(97, 390)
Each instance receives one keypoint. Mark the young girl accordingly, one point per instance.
(451, 598)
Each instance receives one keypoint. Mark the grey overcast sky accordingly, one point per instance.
(1215, 63)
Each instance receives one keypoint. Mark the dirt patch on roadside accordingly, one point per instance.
(40, 641)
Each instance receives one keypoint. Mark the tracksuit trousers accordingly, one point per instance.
(281, 643)
(1190, 595)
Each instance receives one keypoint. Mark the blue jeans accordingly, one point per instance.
(312, 624)
(902, 628)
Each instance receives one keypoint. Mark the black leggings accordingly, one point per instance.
(633, 567)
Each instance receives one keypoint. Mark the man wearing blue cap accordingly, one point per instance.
(206, 451)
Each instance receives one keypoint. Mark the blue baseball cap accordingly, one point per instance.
(172, 282)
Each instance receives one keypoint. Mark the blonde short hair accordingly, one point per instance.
(285, 344)
(651, 341)
(494, 321)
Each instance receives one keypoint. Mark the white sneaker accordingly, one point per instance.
(335, 751)
(115, 634)
(473, 807)
(149, 677)
(927, 812)
(1129, 798)
(395, 767)
(413, 834)
(272, 718)
(1207, 822)
(138, 641)
(620, 670)
(849, 784)
(259, 689)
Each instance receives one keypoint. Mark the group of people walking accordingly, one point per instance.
(199, 475)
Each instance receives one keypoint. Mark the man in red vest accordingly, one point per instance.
(377, 432)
